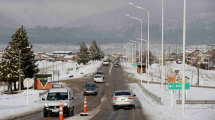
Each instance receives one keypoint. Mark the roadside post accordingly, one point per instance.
(28, 83)
(171, 79)
(177, 86)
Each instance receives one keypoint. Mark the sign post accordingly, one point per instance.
(28, 83)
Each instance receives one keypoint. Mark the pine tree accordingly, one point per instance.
(18, 44)
(83, 55)
(95, 52)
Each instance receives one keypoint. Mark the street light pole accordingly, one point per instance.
(141, 42)
(148, 35)
(139, 48)
(162, 59)
(131, 52)
(183, 68)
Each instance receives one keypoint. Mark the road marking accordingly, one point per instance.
(110, 67)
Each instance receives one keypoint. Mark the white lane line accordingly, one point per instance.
(110, 67)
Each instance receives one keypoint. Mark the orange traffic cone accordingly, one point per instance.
(85, 108)
(61, 111)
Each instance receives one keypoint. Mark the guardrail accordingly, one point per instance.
(42, 93)
(196, 101)
(154, 97)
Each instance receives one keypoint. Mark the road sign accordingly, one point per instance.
(28, 82)
(134, 64)
(178, 86)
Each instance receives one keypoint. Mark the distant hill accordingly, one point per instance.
(114, 27)
(6, 21)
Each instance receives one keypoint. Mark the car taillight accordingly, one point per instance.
(130, 97)
(114, 98)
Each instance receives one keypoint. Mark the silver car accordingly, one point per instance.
(123, 98)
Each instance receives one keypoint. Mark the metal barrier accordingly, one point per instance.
(196, 101)
(151, 95)
(42, 93)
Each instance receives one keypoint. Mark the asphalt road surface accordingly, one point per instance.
(115, 79)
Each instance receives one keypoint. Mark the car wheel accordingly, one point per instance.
(73, 112)
(68, 112)
(115, 107)
(45, 114)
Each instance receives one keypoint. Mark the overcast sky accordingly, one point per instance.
(57, 10)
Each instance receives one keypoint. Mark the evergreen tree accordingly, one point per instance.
(83, 55)
(19, 44)
(93, 50)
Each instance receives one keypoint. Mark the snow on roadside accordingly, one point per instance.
(156, 111)
(16, 104)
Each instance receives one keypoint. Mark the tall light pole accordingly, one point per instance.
(183, 68)
(146, 59)
(135, 50)
(162, 60)
(148, 31)
(131, 52)
(139, 48)
(141, 42)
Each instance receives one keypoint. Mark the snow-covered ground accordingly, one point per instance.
(16, 104)
(192, 111)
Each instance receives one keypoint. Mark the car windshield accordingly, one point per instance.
(99, 73)
(122, 93)
(97, 76)
(90, 85)
(57, 96)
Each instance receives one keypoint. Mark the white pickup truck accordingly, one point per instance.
(105, 62)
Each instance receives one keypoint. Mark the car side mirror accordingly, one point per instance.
(83, 86)
(111, 95)
(43, 99)
(97, 86)
(134, 95)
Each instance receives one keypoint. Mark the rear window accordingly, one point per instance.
(97, 76)
(122, 93)
(105, 61)
(99, 73)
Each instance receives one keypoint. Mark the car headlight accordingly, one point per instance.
(46, 105)
(64, 104)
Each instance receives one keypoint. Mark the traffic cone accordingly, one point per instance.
(85, 108)
(61, 111)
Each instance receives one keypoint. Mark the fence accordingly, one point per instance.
(196, 101)
(151, 95)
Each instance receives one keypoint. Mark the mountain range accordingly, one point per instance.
(115, 26)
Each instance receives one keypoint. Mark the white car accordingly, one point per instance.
(105, 62)
(52, 101)
(98, 78)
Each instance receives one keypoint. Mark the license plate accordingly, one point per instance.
(55, 110)
(122, 99)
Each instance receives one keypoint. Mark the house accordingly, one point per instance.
(61, 53)
(69, 58)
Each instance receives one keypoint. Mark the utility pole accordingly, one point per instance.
(169, 52)
(19, 72)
